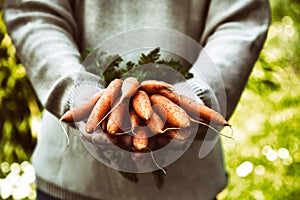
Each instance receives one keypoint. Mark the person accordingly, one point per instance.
(49, 36)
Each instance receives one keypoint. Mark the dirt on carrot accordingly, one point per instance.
(103, 105)
(116, 117)
(152, 86)
(140, 139)
(82, 112)
(194, 107)
(174, 114)
(142, 105)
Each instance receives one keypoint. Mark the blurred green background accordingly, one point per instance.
(264, 162)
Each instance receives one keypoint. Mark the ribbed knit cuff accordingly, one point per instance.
(59, 192)
(204, 93)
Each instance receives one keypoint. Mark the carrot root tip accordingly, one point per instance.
(231, 135)
(205, 124)
(209, 126)
(133, 131)
(121, 133)
(155, 162)
(65, 132)
(171, 128)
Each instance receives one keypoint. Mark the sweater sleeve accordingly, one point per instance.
(234, 34)
(44, 34)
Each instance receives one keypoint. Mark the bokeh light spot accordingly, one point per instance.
(283, 153)
(244, 169)
(259, 170)
(271, 155)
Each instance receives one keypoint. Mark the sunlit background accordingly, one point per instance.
(264, 160)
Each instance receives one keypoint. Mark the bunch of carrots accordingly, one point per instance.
(152, 108)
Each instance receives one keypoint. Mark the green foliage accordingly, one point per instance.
(19, 106)
(153, 66)
(151, 57)
(110, 67)
(113, 69)
(266, 121)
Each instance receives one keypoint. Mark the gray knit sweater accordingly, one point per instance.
(49, 36)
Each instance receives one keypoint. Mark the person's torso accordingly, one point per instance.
(100, 19)
(189, 177)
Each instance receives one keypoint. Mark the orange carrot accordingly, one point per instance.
(175, 115)
(174, 134)
(104, 125)
(151, 86)
(170, 94)
(142, 105)
(134, 119)
(129, 87)
(103, 105)
(194, 107)
(81, 112)
(116, 117)
(140, 139)
(156, 124)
